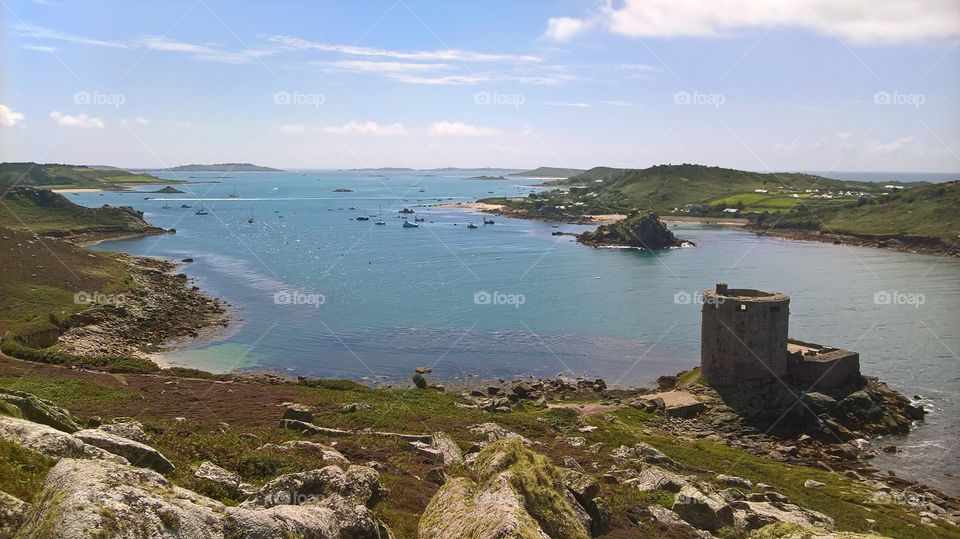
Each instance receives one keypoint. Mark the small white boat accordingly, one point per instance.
(380, 220)
(408, 224)
(363, 218)
(202, 210)
(471, 225)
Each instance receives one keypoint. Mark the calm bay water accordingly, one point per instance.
(395, 298)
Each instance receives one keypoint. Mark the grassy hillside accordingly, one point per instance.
(549, 172)
(223, 167)
(53, 176)
(926, 210)
(44, 212)
(39, 277)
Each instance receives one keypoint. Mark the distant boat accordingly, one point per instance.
(251, 220)
(202, 210)
(363, 218)
(380, 220)
(185, 206)
(408, 224)
(165, 206)
(233, 194)
(422, 191)
(471, 225)
(418, 219)
(487, 221)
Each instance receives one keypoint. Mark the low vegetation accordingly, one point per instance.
(56, 176)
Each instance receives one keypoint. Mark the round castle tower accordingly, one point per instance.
(743, 336)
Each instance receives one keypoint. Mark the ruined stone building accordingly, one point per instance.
(745, 338)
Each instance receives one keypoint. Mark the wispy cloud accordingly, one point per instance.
(41, 48)
(349, 128)
(367, 66)
(442, 55)
(208, 53)
(81, 120)
(621, 104)
(44, 34)
(567, 104)
(460, 129)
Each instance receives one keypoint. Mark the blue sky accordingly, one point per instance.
(763, 85)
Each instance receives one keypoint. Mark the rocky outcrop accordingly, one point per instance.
(12, 512)
(82, 498)
(756, 515)
(38, 410)
(127, 428)
(702, 510)
(135, 452)
(518, 494)
(639, 231)
(50, 441)
(450, 452)
(323, 451)
(230, 482)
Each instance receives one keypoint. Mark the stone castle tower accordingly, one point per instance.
(743, 335)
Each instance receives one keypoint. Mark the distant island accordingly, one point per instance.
(221, 167)
(485, 177)
(549, 172)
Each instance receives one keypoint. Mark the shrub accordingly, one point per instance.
(419, 380)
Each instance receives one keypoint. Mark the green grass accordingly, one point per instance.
(65, 392)
(53, 176)
(22, 471)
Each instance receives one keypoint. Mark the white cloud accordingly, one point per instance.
(367, 66)
(80, 120)
(567, 104)
(41, 48)
(443, 55)
(460, 129)
(208, 53)
(9, 118)
(41, 33)
(860, 21)
(138, 120)
(564, 28)
(349, 128)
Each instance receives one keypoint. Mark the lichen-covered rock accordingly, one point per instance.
(12, 512)
(449, 450)
(127, 428)
(229, 481)
(50, 441)
(518, 494)
(643, 452)
(321, 450)
(656, 478)
(585, 491)
(672, 525)
(137, 453)
(298, 412)
(702, 510)
(39, 410)
(493, 432)
(84, 498)
(756, 515)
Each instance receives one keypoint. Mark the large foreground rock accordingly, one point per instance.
(702, 510)
(38, 410)
(86, 498)
(137, 453)
(518, 494)
(231, 482)
(50, 441)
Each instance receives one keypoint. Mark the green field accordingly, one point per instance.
(55, 176)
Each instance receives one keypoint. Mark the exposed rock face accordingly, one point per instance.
(12, 512)
(229, 481)
(82, 498)
(755, 515)
(642, 452)
(39, 411)
(137, 453)
(705, 511)
(298, 412)
(640, 231)
(493, 432)
(50, 441)
(127, 428)
(450, 452)
(656, 478)
(519, 494)
(323, 451)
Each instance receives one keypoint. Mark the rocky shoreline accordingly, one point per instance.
(907, 244)
(158, 307)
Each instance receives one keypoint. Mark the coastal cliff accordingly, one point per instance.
(638, 231)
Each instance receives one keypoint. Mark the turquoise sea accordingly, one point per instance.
(318, 293)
